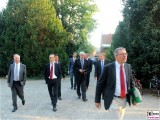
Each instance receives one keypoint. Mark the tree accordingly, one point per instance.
(32, 29)
(77, 19)
(141, 36)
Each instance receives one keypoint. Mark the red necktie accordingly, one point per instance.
(123, 93)
(51, 72)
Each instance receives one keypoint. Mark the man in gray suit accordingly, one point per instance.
(16, 80)
(116, 82)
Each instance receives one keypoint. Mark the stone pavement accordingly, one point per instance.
(38, 105)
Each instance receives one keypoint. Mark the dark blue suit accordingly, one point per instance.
(88, 72)
(52, 84)
(71, 72)
(107, 84)
(81, 77)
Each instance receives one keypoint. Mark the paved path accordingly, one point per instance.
(38, 106)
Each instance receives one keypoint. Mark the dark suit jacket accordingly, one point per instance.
(98, 68)
(77, 66)
(61, 70)
(22, 74)
(107, 82)
(71, 63)
(89, 65)
(47, 71)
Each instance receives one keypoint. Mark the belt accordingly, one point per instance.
(117, 96)
(16, 81)
(53, 79)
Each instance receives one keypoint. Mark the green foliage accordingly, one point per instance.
(76, 16)
(139, 32)
(31, 29)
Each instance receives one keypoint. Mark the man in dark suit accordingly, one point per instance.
(100, 65)
(70, 70)
(61, 75)
(89, 69)
(80, 68)
(116, 81)
(51, 75)
(16, 80)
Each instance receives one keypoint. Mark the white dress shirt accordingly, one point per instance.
(54, 76)
(16, 72)
(118, 83)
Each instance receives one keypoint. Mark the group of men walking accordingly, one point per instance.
(113, 80)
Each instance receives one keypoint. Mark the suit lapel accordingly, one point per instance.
(114, 72)
(126, 73)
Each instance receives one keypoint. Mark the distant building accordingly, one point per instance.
(106, 41)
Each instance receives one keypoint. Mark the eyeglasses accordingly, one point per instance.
(123, 54)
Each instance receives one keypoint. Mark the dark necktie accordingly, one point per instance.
(51, 72)
(123, 93)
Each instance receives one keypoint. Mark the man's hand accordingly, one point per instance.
(98, 105)
(95, 78)
(135, 104)
(80, 70)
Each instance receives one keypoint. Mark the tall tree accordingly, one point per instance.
(142, 27)
(32, 29)
(76, 16)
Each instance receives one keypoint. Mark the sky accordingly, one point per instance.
(107, 18)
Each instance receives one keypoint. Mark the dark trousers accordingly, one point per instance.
(87, 79)
(59, 87)
(73, 79)
(17, 89)
(81, 83)
(53, 91)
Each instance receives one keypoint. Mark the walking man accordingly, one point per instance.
(16, 80)
(116, 81)
(62, 74)
(80, 68)
(51, 75)
(70, 69)
(100, 65)
(89, 69)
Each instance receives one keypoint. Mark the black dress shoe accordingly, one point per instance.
(71, 87)
(54, 109)
(60, 98)
(85, 100)
(79, 97)
(74, 88)
(23, 102)
(14, 109)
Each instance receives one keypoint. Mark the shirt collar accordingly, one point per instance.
(118, 65)
(17, 64)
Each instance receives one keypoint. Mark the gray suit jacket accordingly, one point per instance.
(107, 84)
(22, 74)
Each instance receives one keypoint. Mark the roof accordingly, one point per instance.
(106, 39)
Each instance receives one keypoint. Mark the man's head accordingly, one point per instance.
(16, 58)
(120, 55)
(74, 54)
(82, 55)
(86, 56)
(102, 56)
(56, 57)
(51, 58)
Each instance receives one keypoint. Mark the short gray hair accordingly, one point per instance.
(117, 49)
(82, 53)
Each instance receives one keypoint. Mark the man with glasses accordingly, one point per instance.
(116, 81)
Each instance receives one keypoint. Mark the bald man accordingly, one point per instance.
(16, 80)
